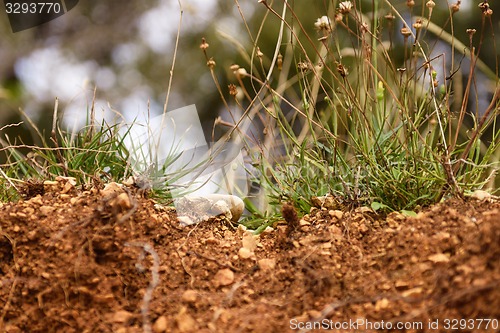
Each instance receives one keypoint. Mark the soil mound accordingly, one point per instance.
(113, 261)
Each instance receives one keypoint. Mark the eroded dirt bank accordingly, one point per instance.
(84, 261)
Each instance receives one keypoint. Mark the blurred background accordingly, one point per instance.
(124, 50)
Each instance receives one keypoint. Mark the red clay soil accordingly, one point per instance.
(93, 261)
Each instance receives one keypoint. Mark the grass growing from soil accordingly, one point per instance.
(95, 154)
(358, 104)
(355, 104)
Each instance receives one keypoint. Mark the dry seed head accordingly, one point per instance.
(234, 67)
(204, 45)
(455, 7)
(241, 72)
(418, 24)
(430, 4)
(364, 27)
(471, 32)
(211, 63)
(405, 31)
(345, 7)
(410, 3)
(342, 70)
(302, 66)
(338, 17)
(258, 53)
(484, 6)
(279, 61)
(390, 17)
(232, 90)
(323, 24)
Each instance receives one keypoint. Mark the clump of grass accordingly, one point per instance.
(361, 108)
(96, 154)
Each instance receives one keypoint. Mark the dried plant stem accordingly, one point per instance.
(7, 178)
(92, 116)
(479, 128)
(53, 134)
(171, 77)
(313, 94)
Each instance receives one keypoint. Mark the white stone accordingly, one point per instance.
(245, 253)
(185, 220)
(199, 208)
(482, 195)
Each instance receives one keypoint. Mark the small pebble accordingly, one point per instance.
(122, 316)
(160, 325)
(223, 277)
(267, 264)
(189, 296)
